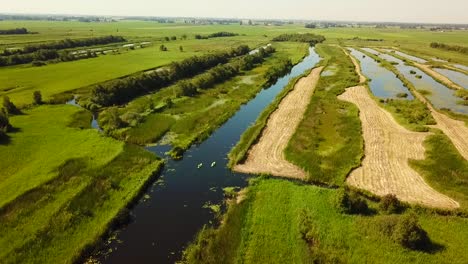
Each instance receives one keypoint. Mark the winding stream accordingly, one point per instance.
(175, 207)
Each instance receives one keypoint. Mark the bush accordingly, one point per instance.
(390, 204)
(410, 234)
(9, 107)
(350, 203)
(4, 122)
(37, 97)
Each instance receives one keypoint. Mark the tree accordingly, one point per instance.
(166, 38)
(37, 97)
(162, 48)
(186, 88)
(184, 36)
(250, 22)
(10, 108)
(181, 48)
(173, 38)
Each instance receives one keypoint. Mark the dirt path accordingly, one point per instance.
(267, 156)
(388, 147)
(446, 81)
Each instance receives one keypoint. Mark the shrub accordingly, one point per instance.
(4, 122)
(412, 72)
(37, 97)
(9, 107)
(350, 203)
(390, 204)
(410, 234)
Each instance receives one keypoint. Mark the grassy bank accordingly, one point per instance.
(266, 228)
(444, 168)
(328, 142)
(64, 198)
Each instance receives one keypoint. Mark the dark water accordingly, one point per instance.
(384, 83)
(456, 77)
(440, 97)
(174, 208)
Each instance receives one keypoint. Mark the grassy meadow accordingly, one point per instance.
(265, 227)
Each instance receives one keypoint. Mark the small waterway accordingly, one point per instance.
(456, 77)
(384, 83)
(407, 56)
(462, 67)
(94, 122)
(440, 96)
(175, 207)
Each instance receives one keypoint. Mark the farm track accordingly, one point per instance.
(267, 155)
(388, 147)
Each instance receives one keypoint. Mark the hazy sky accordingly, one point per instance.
(449, 11)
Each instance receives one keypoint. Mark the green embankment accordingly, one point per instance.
(265, 228)
(328, 142)
(63, 187)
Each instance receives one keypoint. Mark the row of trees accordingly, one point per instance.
(221, 73)
(455, 48)
(43, 55)
(216, 35)
(66, 44)
(122, 90)
(15, 31)
(310, 38)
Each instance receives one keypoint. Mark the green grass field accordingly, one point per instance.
(57, 180)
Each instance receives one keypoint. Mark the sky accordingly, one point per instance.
(427, 11)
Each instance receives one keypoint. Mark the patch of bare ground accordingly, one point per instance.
(267, 155)
(388, 147)
(446, 81)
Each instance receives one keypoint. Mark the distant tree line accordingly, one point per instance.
(122, 90)
(310, 38)
(216, 35)
(455, 48)
(38, 57)
(310, 25)
(66, 44)
(15, 31)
